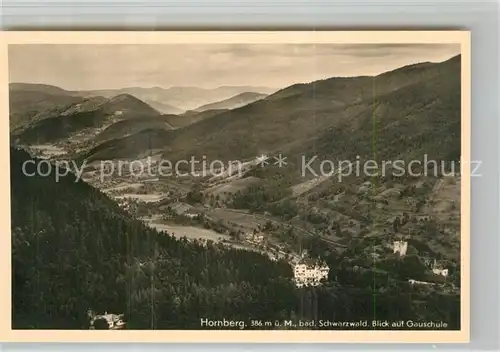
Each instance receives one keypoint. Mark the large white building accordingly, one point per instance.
(400, 247)
(309, 275)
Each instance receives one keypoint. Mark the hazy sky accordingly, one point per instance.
(209, 65)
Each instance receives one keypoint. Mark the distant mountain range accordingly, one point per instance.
(332, 117)
(173, 100)
(326, 117)
(45, 113)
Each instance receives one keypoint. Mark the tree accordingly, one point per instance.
(411, 267)
(411, 250)
(405, 218)
(395, 224)
(101, 324)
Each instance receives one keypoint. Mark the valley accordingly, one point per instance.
(135, 145)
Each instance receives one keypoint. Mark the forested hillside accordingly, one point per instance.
(74, 249)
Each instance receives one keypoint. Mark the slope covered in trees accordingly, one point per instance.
(74, 249)
(96, 112)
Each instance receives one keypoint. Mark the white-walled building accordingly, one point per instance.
(443, 272)
(400, 247)
(309, 275)
(254, 237)
(413, 282)
(191, 214)
(437, 270)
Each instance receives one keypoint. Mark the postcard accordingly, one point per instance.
(236, 186)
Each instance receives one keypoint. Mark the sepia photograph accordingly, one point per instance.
(291, 183)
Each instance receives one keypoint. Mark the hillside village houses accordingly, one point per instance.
(401, 247)
(256, 238)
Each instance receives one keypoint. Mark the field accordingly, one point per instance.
(445, 202)
(47, 150)
(232, 186)
(146, 198)
(189, 232)
(123, 185)
(243, 220)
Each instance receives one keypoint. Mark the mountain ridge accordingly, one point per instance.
(60, 125)
(232, 102)
(285, 117)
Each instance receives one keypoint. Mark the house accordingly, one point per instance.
(400, 247)
(185, 210)
(192, 213)
(413, 282)
(114, 321)
(309, 275)
(423, 218)
(443, 272)
(254, 237)
(438, 270)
